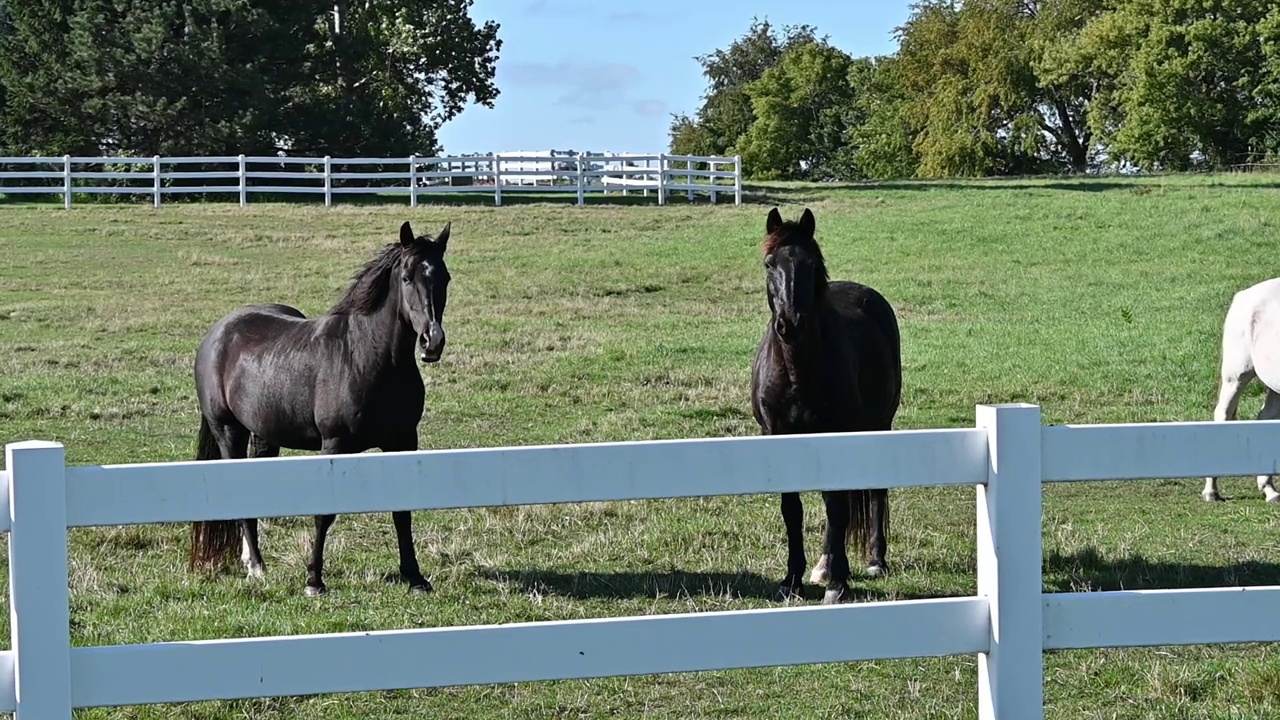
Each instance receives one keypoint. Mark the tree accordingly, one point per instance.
(390, 73)
(1267, 116)
(880, 133)
(39, 114)
(726, 112)
(802, 108)
(987, 87)
(229, 76)
(1191, 81)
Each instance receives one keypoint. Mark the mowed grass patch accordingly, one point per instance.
(1100, 300)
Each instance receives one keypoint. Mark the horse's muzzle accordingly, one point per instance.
(788, 327)
(431, 345)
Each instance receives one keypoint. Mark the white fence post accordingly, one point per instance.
(662, 179)
(1011, 673)
(737, 179)
(244, 188)
(39, 600)
(497, 179)
(413, 180)
(328, 182)
(155, 171)
(66, 182)
(581, 189)
(688, 165)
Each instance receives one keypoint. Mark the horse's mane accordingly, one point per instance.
(370, 284)
(790, 234)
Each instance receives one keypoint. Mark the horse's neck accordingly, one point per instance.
(381, 339)
(803, 363)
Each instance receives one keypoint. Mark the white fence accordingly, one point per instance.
(1008, 624)
(580, 175)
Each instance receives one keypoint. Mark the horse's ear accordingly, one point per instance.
(406, 234)
(774, 222)
(807, 223)
(443, 238)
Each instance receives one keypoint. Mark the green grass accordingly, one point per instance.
(1100, 300)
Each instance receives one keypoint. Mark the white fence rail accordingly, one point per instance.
(580, 175)
(1008, 624)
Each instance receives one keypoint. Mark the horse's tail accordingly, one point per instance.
(859, 533)
(211, 540)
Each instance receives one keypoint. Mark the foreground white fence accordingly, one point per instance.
(1008, 624)
(580, 175)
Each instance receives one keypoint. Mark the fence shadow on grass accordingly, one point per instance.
(673, 584)
(1089, 570)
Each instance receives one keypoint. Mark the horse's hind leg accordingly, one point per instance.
(1232, 387)
(250, 553)
(879, 501)
(1270, 411)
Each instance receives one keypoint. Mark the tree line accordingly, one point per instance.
(223, 77)
(1001, 87)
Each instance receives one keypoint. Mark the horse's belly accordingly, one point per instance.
(280, 412)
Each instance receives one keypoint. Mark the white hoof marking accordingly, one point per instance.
(821, 573)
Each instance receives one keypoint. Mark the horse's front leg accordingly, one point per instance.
(315, 568)
(403, 521)
(792, 586)
(837, 506)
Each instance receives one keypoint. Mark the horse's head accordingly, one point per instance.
(424, 289)
(795, 273)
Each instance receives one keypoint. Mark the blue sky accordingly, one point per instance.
(607, 75)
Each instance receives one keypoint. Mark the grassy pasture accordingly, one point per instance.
(1101, 300)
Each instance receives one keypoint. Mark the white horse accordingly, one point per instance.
(1250, 349)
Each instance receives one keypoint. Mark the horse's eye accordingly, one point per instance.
(407, 277)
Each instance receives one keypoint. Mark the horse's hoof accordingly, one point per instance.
(877, 570)
(255, 573)
(421, 588)
(1273, 498)
(1212, 497)
(315, 590)
(787, 593)
(837, 596)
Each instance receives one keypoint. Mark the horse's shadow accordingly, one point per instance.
(673, 584)
(1089, 570)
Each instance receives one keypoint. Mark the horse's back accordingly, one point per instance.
(872, 326)
(241, 333)
(248, 324)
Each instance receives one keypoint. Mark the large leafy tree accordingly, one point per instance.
(39, 113)
(1194, 81)
(880, 133)
(727, 110)
(386, 74)
(988, 88)
(228, 76)
(803, 109)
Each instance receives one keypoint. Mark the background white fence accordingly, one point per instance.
(579, 174)
(1008, 624)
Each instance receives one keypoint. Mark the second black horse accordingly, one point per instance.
(829, 361)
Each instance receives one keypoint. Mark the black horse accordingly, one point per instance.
(345, 382)
(829, 361)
